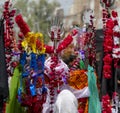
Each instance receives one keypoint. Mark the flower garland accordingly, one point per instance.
(78, 79)
(89, 42)
(54, 81)
(108, 25)
(106, 104)
(92, 46)
(116, 37)
(11, 49)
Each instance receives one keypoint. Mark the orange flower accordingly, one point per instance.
(78, 79)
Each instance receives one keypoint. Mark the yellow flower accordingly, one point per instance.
(29, 43)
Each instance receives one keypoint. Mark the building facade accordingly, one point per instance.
(79, 6)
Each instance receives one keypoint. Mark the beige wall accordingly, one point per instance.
(79, 5)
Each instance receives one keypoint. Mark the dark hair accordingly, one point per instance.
(70, 59)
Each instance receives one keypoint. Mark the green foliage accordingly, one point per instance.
(38, 14)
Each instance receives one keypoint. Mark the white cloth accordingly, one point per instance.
(61, 67)
(78, 94)
(66, 102)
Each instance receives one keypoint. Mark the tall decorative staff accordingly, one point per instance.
(55, 68)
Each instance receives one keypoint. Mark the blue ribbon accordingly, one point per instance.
(32, 89)
(37, 65)
(23, 59)
(41, 61)
(25, 74)
(33, 62)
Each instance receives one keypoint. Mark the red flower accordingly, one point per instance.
(107, 71)
(107, 59)
(109, 31)
(115, 94)
(108, 45)
(38, 44)
(115, 22)
(20, 34)
(110, 23)
(49, 49)
(114, 14)
(74, 32)
(106, 104)
(80, 111)
(65, 43)
(107, 49)
(24, 28)
(117, 34)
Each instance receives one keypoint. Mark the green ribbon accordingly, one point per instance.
(82, 65)
(94, 102)
(13, 106)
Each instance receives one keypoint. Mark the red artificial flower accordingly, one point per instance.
(116, 34)
(107, 59)
(108, 45)
(81, 111)
(26, 101)
(107, 75)
(114, 14)
(109, 31)
(65, 43)
(115, 22)
(38, 44)
(116, 62)
(49, 49)
(74, 32)
(83, 99)
(106, 104)
(108, 36)
(107, 71)
(114, 94)
(110, 23)
(107, 49)
(20, 34)
(24, 28)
